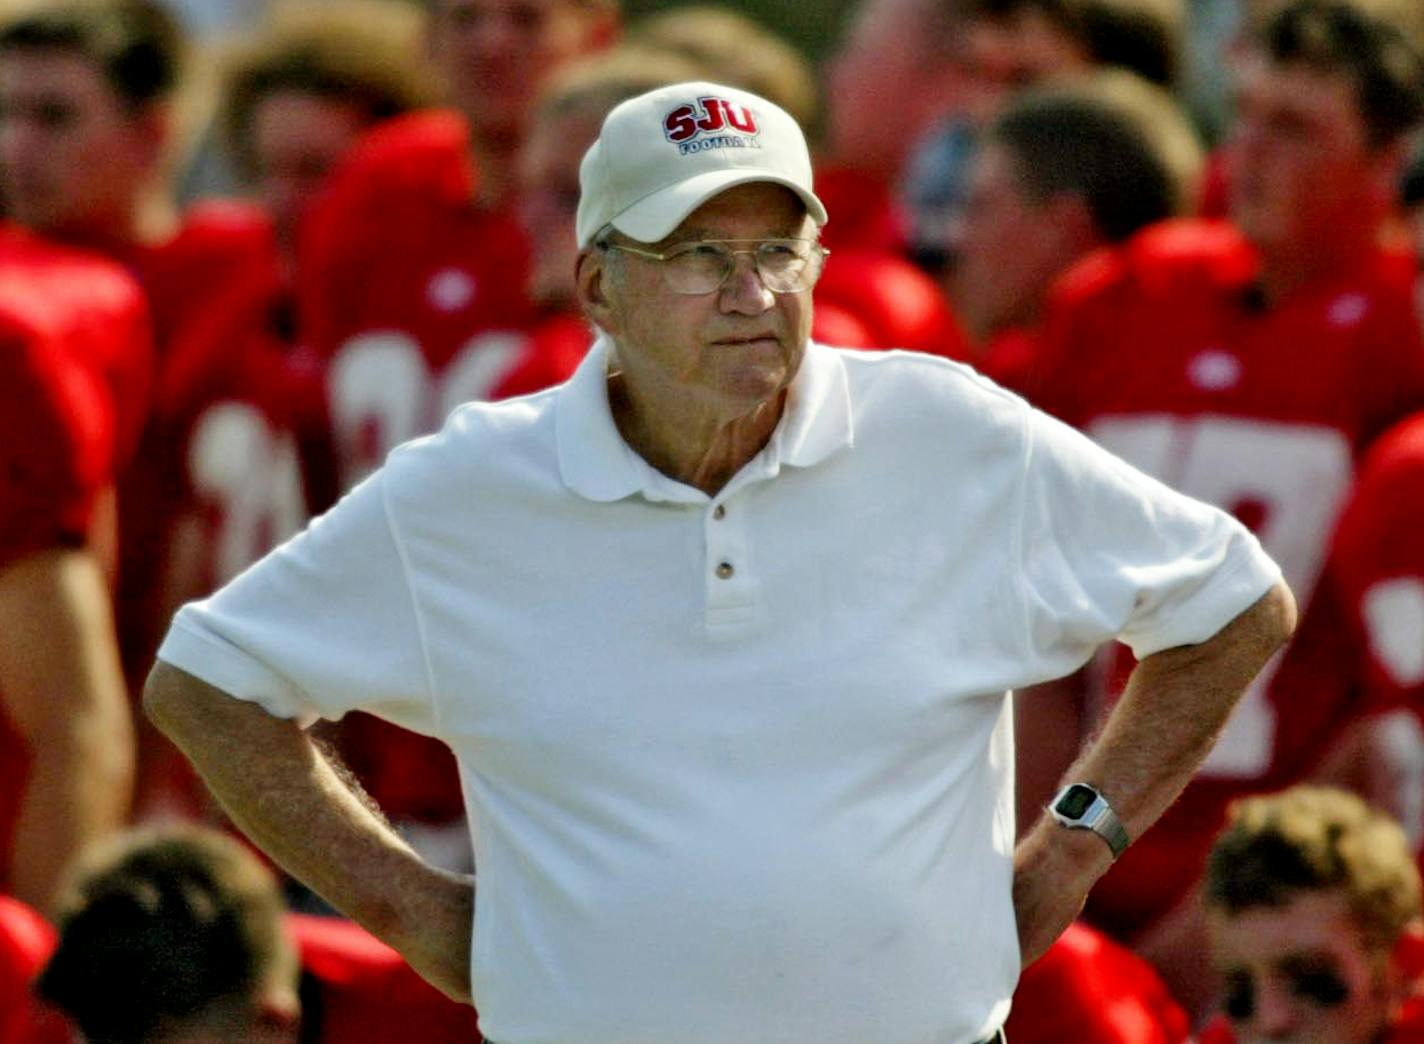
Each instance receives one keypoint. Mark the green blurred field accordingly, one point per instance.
(812, 25)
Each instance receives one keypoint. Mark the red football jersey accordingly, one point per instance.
(864, 214)
(73, 338)
(218, 245)
(1010, 358)
(1377, 564)
(234, 393)
(410, 293)
(358, 989)
(1090, 990)
(92, 306)
(1163, 351)
(216, 242)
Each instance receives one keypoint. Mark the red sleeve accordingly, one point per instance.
(900, 305)
(556, 347)
(95, 309)
(56, 448)
(1377, 565)
(1011, 358)
(1397, 380)
(833, 323)
(1091, 990)
(360, 990)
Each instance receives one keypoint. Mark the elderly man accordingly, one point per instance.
(722, 632)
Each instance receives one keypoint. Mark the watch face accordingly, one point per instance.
(1076, 800)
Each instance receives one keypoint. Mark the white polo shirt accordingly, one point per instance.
(738, 768)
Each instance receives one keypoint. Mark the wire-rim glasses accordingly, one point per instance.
(703, 266)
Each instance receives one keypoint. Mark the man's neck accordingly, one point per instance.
(694, 447)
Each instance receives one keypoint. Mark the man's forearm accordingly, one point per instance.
(288, 799)
(63, 689)
(1176, 703)
(1163, 727)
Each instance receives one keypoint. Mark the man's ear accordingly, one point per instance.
(591, 280)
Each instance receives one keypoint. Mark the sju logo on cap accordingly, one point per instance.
(711, 124)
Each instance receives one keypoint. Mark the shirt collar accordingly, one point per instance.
(597, 464)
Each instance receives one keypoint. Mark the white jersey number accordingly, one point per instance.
(251, 473)
(383, 392)
(1286, 481)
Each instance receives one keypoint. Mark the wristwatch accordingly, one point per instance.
(1080, 807)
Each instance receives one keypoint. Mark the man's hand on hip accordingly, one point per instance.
(1054, 868)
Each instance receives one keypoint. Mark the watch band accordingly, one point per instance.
(1079, 806)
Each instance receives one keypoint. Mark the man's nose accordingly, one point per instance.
(744, 290)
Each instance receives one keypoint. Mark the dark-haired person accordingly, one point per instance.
(87, 128)
(1006, 46)
(1313, 914)
(1250, 364)
(1064, 170)
(178, 936)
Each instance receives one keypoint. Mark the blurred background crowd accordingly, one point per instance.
(247, 248)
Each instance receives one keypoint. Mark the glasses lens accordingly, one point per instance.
(698, 268)
(786, 265)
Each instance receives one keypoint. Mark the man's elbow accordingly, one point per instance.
(166, 695)
(1274, 617)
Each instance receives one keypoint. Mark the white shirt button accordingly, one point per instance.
(719, 512)
(725, 571)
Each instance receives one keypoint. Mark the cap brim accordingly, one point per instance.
(654, 217)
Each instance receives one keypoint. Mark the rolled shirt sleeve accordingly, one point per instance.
(1109, 552)
(324, 624)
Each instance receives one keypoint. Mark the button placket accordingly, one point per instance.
(730, 586)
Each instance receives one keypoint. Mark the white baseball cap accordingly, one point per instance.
(663, 154)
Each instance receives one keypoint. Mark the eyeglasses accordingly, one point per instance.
(785, 266)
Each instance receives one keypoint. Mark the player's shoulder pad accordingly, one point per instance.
(1162, 260)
